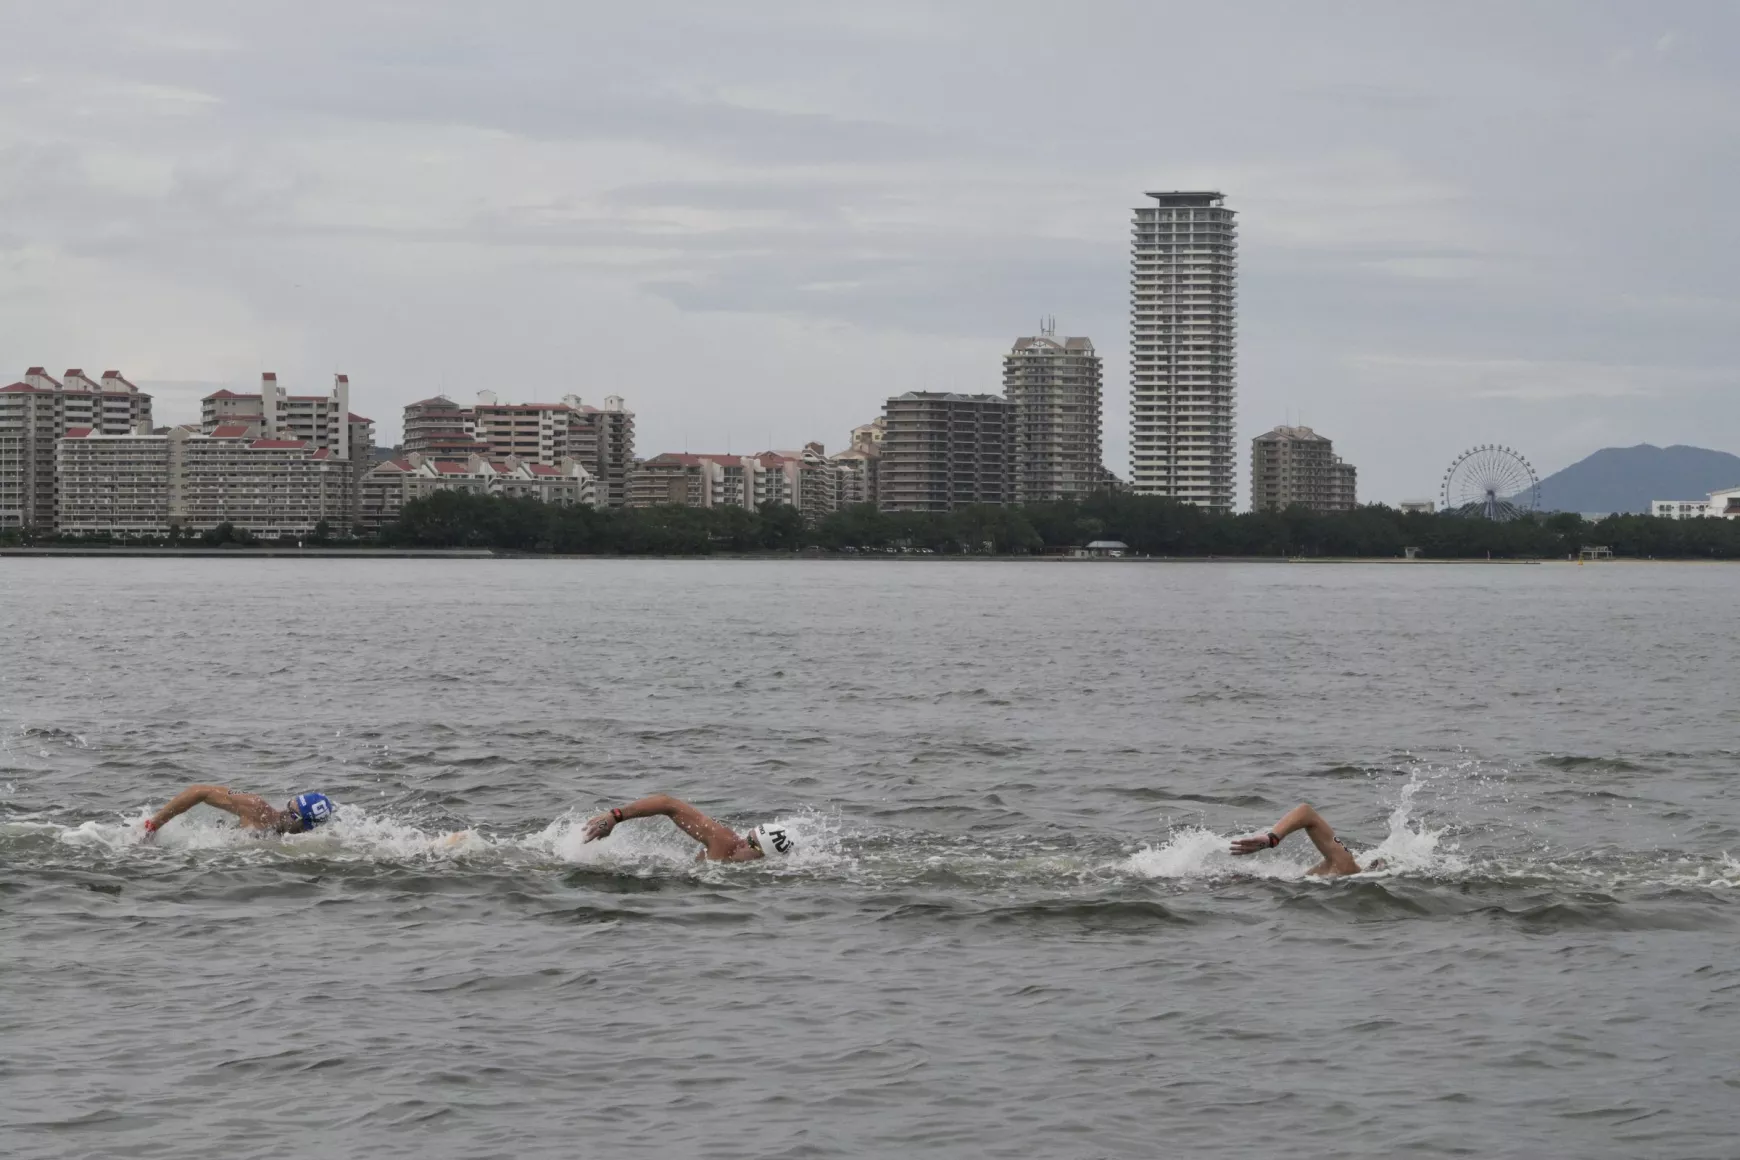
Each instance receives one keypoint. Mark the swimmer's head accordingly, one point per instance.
(774, 841)
(305, 811)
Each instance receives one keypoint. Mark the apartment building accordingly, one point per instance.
(148, 483)
(391, 485)
(112, 484)
(1054, 386)
(35, 413)
(856, 476)
(1296, 465)
(441, 428)
(319, 420)
(1183, 293)
(942, 450)
(600, 438)
(803, 479)
(857, 469)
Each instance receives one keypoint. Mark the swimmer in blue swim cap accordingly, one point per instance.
(720, 843)
(302, 812)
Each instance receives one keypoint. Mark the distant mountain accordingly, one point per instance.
(1626, 479)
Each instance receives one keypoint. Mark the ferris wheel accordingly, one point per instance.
(1492, 482)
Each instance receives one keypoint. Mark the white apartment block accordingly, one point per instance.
(146, 484)
(112, 484)
(391, 485)
(1724, 504)
(34, 413)
(1182, 349)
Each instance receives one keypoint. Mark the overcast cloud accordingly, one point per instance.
(1460, 223)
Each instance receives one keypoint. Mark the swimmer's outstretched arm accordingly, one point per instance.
(1336, 859)
(719, 839)
(251, 809)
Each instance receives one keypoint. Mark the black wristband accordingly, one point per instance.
(1274, 839)
(616, 815)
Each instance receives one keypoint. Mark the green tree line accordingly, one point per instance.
(1150, 526)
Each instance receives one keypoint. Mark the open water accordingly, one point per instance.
(1012, 929)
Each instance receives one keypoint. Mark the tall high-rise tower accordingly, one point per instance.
(1182, 357)
(1055, 386)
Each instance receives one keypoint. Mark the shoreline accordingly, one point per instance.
(840, 557)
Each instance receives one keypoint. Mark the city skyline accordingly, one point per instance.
(756, 244)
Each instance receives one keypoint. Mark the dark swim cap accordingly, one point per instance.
(312, 808)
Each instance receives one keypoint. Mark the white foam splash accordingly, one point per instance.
(1412, 849)
(1408, 848)
(353, 833)
(1197, 853)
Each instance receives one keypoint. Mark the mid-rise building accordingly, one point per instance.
(1182, 349)
(116, 485)
(1054, 386)
(1296, 465)
(35, 413)
(441, 428)
(600, 438)
(324, 422)
(319, 420)
(857, 469)
(149, 483)
(1724, 504)
(943, 450)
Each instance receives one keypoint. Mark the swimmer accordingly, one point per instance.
(302, 812)
(1337, 858)
(719, 842)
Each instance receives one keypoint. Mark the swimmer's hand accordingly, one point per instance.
(600, 826)
(1266, 841)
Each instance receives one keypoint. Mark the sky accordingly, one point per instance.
(1459, 224)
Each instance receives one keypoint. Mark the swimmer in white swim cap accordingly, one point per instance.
(720, 842)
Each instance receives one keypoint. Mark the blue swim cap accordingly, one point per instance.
(312, 808)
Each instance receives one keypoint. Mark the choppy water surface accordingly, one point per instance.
(1013, 931)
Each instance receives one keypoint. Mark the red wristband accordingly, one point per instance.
(615, 814)
(150, 826)
(1274, 839)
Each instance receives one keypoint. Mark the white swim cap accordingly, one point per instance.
(773, 840)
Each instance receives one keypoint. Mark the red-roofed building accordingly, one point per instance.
(35, 413)
(392, 484)
(803, 479)
(600, 438)
(322, 420)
